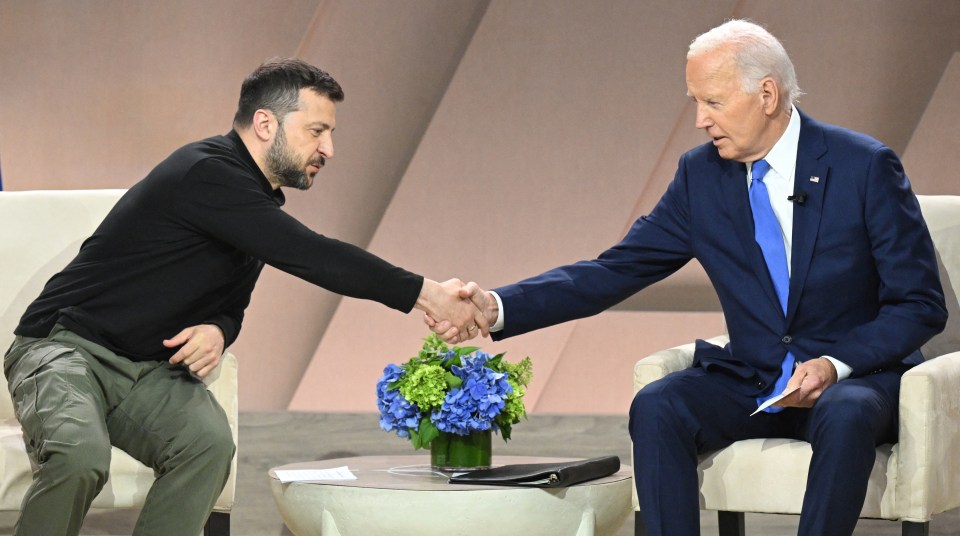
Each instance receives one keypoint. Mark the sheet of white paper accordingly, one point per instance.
(307, 475)
(774, 400)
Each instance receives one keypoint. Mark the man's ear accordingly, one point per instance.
(769, 96)
(264, 124)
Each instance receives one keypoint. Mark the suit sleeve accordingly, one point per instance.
(911, 303)
(656, 246)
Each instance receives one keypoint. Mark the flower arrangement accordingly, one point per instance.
(453, 390)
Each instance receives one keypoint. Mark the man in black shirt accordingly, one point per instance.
(111, 351)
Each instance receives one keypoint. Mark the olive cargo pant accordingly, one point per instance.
(74, 399)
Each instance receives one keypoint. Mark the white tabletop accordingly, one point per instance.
(413, 472)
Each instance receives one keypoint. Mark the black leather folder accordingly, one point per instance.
(542, 475)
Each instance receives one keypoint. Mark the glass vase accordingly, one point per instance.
(452, 452)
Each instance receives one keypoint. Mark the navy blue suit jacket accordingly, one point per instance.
(864, 285)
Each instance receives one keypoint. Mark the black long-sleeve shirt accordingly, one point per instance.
(186, 245)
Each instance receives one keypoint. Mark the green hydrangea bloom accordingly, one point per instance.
(426, 387)
(513, 408)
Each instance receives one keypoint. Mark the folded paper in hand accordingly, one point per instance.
(774, 400)
(542, 475)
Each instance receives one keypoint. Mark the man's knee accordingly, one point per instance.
(221, 445)
(850, 412)
(651, 406)
(81, 460)
(213, 442)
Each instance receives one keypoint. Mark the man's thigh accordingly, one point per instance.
(715, 412)
(870, 403)
(167, 410)
(55, 395)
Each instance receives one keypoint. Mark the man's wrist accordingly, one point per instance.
(497, 325)
(843, 369)
(424, 299)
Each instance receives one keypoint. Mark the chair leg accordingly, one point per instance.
(730, 523)
(638, 528)
(916, 529)
(218, 524)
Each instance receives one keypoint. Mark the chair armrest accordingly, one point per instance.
(928, 466)
(222, 383)
(659, 364)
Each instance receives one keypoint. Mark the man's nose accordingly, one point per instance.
(326, 148)
(703, 117)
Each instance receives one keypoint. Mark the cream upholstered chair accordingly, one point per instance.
(40, 232)
(911, 481)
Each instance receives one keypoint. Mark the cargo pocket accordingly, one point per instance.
(24, 392)
(25, 406)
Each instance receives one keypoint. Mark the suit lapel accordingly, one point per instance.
(810, 179)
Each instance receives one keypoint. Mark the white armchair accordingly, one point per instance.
(40, 232)
(912, 480)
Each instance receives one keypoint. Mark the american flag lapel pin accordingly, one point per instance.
(815, 179)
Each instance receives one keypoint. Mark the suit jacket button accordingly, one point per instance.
(787, 339)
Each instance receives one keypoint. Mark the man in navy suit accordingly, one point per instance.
(859, 292)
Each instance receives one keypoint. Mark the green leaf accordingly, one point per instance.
(428, 432)
(415, 439)
(424, 434)
(453, 381)
(505, 432)
(466, 350)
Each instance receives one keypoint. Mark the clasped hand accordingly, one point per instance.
(469, 311)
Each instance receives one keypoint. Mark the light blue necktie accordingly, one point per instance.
(769, 238)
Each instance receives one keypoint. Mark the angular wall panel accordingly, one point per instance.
(535, 157)
(94, 94)
(932, 158)
(594, 373)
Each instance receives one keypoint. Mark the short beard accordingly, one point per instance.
(282, 166)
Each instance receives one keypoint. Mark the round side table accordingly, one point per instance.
(400, 495)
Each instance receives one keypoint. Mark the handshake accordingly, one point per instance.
(455, 311)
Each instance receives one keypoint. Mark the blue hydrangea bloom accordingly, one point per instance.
(472, 406)
(396, 412)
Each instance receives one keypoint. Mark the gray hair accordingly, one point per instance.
(758, 54)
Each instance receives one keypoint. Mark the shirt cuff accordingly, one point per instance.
(843, 370)
(498, 325)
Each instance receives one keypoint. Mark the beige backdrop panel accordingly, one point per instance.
(934, 149)
(94, 94)
(483, 141)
